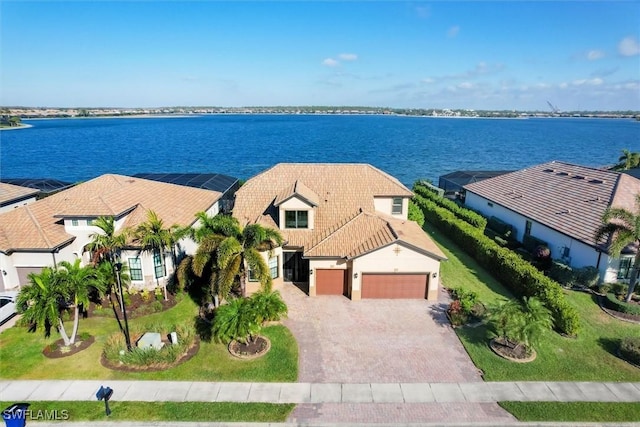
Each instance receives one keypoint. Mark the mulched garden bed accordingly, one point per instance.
(136, 307)
(58, 349)
(252, 349)
(633, 318)
(193, 350)
(509, 351)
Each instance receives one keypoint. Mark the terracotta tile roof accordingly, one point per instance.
(40, 226)
(346, 223)
(301, 191)
(10, 192)
(568, 198)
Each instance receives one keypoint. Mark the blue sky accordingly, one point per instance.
(579, 55)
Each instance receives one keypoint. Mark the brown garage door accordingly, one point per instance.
(394, 286)
(330, 282)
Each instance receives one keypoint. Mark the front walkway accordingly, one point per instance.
(321, 393)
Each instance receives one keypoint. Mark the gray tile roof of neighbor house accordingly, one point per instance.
(565, 197)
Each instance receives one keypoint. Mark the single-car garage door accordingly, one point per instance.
(330, 282)
(394, 286)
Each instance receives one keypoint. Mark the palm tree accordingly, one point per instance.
(521, 323)
(79, 282)
(43, 300)
(628, 160)
(154, 238)
(622, 228)
(105, 245)
(227, 253)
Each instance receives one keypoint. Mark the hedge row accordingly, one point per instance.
(464, 214)
(505, 265)
(612, 302)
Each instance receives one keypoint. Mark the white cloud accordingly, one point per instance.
(453, 31)
(588, 82)
(348, 56)
(465, 85)
(428, 80)
(629, 46)
(423, 11)
(594, 55)
(330, 62)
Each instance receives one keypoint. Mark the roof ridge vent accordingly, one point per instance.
(597, 181)
(579, 177)
(563, 173)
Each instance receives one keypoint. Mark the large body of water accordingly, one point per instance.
(409, 148)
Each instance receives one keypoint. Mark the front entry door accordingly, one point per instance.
(295, 268)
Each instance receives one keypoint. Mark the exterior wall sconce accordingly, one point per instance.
(355, 275)
(434, 275)
(4, 272)
(310, 272)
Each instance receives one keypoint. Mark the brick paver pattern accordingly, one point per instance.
(385, 341)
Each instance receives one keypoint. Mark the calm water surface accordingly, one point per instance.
(243, 145)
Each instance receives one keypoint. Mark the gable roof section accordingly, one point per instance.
(299, 190)
(39, 226)
(345, 222)
(10, 193)
(568, 198)
(368, 232)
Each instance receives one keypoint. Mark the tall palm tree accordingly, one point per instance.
(227, 252)
(154, 238)
(79, 282)
(107, 243)
(43, 300)
(622, 228)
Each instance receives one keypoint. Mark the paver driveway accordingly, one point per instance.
(382, 341)
(375, 340)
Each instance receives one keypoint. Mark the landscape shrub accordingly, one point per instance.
(505, 265)
(464, 214)
(587, 276)
(415, 213)
(563, 274)
(630, 350)
(614, 303)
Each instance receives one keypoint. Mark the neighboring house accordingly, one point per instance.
(346, 231)
(561, 204)
(57, 228)
(46, 186)
(13, 196)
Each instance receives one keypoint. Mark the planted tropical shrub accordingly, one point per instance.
(616, 302)
(520, 325)
(467, 215)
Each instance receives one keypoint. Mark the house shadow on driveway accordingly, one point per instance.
(397, 340)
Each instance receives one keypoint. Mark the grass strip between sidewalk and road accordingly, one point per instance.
(156, 411)
(573, 411)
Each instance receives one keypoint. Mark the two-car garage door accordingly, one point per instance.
(394, 286)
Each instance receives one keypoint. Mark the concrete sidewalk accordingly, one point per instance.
(188, 391)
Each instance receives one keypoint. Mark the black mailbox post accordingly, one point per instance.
(105, 394)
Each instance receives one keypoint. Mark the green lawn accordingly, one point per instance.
(574, 411)
(21, 355)
(157, 411)
(589, 357)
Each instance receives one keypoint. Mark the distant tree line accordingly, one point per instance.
(7, 120)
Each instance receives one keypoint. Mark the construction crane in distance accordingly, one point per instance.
(553, 108)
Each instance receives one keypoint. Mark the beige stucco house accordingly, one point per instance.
(57, 228)
(346, 231)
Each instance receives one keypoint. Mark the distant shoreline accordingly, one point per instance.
(21, 126)
(132, 116)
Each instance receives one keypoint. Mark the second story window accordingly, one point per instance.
(296, 219)
(396, 207)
